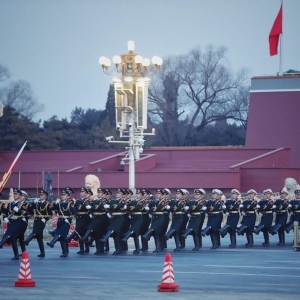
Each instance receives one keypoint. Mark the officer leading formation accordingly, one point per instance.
(99, 217)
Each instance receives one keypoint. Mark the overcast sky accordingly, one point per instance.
(55, 45)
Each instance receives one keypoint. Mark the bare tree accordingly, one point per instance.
(4, 73)
(206, 91)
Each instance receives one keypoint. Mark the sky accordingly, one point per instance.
(55, 45)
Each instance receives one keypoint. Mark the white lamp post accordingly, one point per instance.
(131, 100)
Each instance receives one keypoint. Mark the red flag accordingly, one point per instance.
(275, 32)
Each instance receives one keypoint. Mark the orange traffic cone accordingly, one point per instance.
(24, 279)
(168, 283)
(72, 243)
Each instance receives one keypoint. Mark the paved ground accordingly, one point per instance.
(241, 273)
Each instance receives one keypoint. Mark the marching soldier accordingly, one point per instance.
(248, 211)
(177, 209)
(135, 209)
(157, 218)
(294, 210)
(146, 194)
(265, 208)
(65, 211)
(14, 217)
(127, 193)
(215, 217)
(232, 211)
(167, 214)
(185, 219)
(116, 209)
(282, 204)
(196, 209)
(43, 213)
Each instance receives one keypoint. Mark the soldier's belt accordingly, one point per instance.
(136, 213)
(195, 213)
(296, 211)
(144, 213)
(82, 213)
(165, 212)
(250, 212)
(280, 211)
(266, 212)
(118, 214)
(43, 216)
(99, 213)
(15, 217)
(65, 217)
(214, 212)
(233, 212)
(178, 212)
(157, 213)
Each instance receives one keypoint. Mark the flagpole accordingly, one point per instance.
(281, 46)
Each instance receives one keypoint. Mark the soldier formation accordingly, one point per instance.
(147, 216)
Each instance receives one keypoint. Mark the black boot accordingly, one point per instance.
(81, 248)
(258, 228)
(196, 243)
(86, 235)
(42, 248)
(177, 242)
(4, 239)
(241, 230)
(64, 248)
(30, 237)
(127, 235)
(71, 237)
(233, 241)
(218, 239)
(15, 250)
(54, 240)
(106, 246)
(266, 243)
(182, 242)
(289, 227)
(106, 236)
(148, 234)
(91, 241)
(144, 245)
(118, 245)
(157, 243)
(213, 241)
(223, 231)
(275, 229)
(281, 236)
(169, 234)
(87, 247)
(99, 247)
(205, 231)
(250, 239)
(187, 232)
(22, 246)
(137, 245)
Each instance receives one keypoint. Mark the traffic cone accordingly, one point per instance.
(72, 243)
(168, 283)
(24, 279)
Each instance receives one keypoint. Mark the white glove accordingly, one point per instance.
(204, 208)
(186, 208)
(189, 215)
(146, 208)
(106, 206)
(257, 206)
(23, 219)
(57, 214)
(150, 216)
(109, 215)
(67, 221)
(125, 206)
(57, 201)
(129, 216)
(167, 207)
(91, 216)
(274, 213)
(206, 215)
(241, 205)
(170, 214)
(260, 214)
(291, 213)
(227, 213)
(88, 207)
(224, 206)
(16, 209)
(243, 214)
(274, 206)
(35, 201)
(289, 205)
(43, 220)
(5, 220)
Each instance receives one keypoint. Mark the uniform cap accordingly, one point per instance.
(100, 190)
(43, 192)
(180, 191)
(284, 190)
(24, 193)
(297, 192)
(65, 192)
(268, 191)
(129, 191)
(17, 191)
(84, 189)
(167, 191)
(70, 190)
(160, 191)
(251, 192)
(90, 192)
(108, 192)
(217, 191)
(140, 192)
(199, 191)
(235, 191)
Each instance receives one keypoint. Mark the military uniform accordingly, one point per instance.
(196, 209)
(65, 212)
(43, 213)
(232, 211)
(14, 216)
(281, 211)
(146, 218)
(294, 209)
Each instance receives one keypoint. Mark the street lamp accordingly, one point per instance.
(131, 100)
